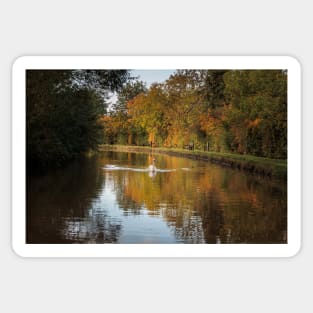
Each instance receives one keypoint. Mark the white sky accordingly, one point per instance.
(152, 76)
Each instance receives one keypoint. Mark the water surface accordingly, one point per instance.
(113, 198)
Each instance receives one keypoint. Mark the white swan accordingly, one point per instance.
(152, 167)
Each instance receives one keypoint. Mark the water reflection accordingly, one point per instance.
(111, 198)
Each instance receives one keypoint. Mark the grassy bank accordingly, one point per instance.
(257, 165)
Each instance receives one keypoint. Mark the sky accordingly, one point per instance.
(152, 76)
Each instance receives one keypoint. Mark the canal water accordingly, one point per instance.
(112, 197)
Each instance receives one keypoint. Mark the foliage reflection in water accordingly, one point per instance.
(112, 198)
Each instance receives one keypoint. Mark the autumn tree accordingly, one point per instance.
(148, 112)
(240, 111)
(185, 104)
(257, 115)
(119, 128)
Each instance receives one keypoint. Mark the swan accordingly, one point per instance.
(152, 167)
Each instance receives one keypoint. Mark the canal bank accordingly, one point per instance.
(257, 165)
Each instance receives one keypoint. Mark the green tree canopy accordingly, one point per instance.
(63, 112)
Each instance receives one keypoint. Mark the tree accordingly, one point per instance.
(63, 112)
(241, 111)
(119, 128)
(257, 115)
(129, 91)
(147, 112)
